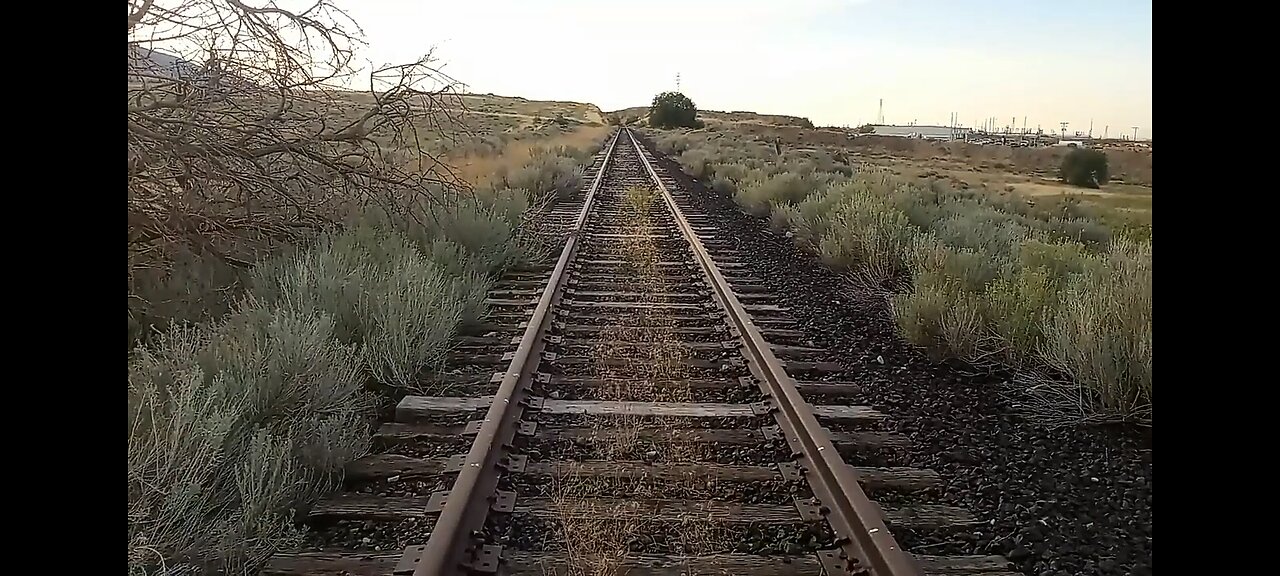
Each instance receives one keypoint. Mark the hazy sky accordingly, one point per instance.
(829, 60)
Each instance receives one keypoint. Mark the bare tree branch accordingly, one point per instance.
(238, 141)
(139, 14)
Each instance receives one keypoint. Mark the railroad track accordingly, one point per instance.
(640, 408)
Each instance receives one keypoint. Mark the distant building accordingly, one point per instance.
(147, 64)
(925, 132)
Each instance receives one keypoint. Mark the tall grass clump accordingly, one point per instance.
(761, 196)
(1101, 334)
(490, 225)
(232, 428)
(862, 230)
(553, 172)
(387, 297)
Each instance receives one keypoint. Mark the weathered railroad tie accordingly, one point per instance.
(640, 408)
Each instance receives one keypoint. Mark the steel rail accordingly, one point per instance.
(857, 521)
(467, 505)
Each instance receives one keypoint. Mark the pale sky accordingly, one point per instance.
(828, 60)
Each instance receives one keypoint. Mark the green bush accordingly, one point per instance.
(545, 174)
(386, 295)
(937, 314)
(1051, 288)
(673, 110)
(1101, 334)
(488, 224)
(1085, 168)
(233, 427)
(760, 197)
(696, 163)
(864, 231)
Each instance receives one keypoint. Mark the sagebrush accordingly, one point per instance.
(1058, 290)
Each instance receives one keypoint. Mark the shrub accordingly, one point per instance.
(1084, 167)
(927, 318)
(194, 287)
(866, 232)
(723, 185)
(386, 296)
(809, 218)
(673, 109)
(696, 163)
(1051, 288)
(413, 314)
(1101, 335)
(546, 173)
(1017, 305)
(487, 224)
(759, 197)
(233, 427)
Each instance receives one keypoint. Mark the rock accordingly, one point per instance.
(961, 456)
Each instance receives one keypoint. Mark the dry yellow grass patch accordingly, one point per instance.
(598, 540)
(479, 169)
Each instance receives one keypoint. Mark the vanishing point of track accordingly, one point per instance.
(657, 416)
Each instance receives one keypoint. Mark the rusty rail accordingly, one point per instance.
(860, 530)
(856, 520)
(450, 548)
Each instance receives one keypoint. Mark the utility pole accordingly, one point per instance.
(1135, 133)
(1064, 129)
(677, 81)
(880, 115)
(1104, 131)
(1091, 128)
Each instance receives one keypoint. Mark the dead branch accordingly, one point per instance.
(237, 142)
(240, 140)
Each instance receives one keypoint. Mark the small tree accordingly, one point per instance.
(1085, 168)
(673, 109)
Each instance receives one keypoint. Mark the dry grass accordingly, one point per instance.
(597, 540)
(962, 164)
(479, 169)
(998, 181)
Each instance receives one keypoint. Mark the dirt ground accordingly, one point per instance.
(985, 176)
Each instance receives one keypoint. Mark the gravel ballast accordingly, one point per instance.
(1056, 502)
